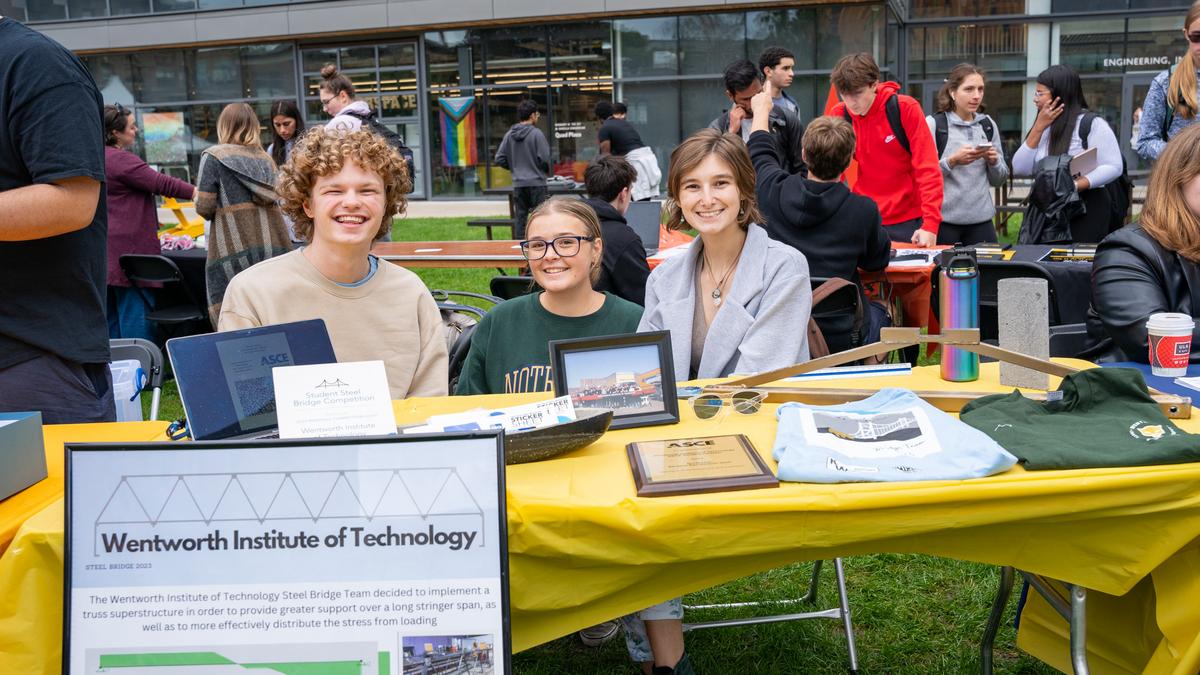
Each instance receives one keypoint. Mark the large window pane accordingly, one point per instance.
(792, 29)
(1005, 103)
(581, 51)
(357, 57)
(948, 46)
(810, 94)
(47, 10)
(1086, 5)
(13, 9)
(709, 42)
(173, 5)
(159, 76)
(1002, 49)
(313, 60)
(705, 101)
(114, 75)
(219, 4)
(122, 7)
(1153, 43)
(454, 57)
(1084, 45)
(653, 110)
(269, 71)
(573, 137)
(647, 47)
(927, 9)
(87, 9)
(400, 54)
(846, 30)
(516, 56)
(218, 73)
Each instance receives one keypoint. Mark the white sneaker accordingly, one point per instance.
(598, 634)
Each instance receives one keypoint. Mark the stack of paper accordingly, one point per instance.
(515, 418)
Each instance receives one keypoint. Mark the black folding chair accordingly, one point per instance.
(147, 273)
(507, 288)
(149, 357)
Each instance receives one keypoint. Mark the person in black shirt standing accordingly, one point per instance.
(53, 231)
(618, 137)
(624, 269)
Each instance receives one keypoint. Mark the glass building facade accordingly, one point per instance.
(453, 92)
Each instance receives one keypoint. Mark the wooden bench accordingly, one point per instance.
(489, 223)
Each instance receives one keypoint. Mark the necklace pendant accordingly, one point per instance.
(716, 296)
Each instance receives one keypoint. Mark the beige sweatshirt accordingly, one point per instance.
(392, 317)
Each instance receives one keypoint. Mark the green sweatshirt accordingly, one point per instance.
(1105, 418)
(509, 352)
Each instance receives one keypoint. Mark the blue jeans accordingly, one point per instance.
(127, 314)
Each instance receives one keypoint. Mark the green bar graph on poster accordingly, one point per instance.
(385, 663)
(186, 659)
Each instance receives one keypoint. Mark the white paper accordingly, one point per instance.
(4, 423)
(1189, 382)
(334, 399)
(514, 418)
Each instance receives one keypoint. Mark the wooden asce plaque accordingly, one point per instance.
(687, 465)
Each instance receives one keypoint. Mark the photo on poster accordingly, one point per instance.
(632, 375)
(314, 556)
(448, 655)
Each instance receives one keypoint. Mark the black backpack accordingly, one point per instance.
(941, 132)
(372, 124)
(1120, 191)
(891, 108)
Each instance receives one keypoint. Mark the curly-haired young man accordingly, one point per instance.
(341, 191)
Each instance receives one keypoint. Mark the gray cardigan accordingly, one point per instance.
(968, 189)
(763, 323)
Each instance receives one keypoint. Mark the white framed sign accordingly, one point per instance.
(365, 556)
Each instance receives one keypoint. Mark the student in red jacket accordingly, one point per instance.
(896, 154)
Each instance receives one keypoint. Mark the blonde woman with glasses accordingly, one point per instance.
(1172, 102)
(509, 352)
(236, 194)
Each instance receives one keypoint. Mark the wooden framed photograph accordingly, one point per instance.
(686, 465)
(631, 375)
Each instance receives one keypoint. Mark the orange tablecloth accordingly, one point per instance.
(20, 507)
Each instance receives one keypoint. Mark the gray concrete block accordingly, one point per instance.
(1023, 319)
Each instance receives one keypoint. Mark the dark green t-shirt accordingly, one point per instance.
(1105, 418)
(509, 352)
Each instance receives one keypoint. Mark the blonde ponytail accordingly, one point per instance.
(1181, 90)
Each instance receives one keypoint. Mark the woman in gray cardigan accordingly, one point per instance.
(971, 158)
(735, 301)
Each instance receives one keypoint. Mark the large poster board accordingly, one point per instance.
(383, 556)
(163, 133)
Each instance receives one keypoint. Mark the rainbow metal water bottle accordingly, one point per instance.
(958, 299)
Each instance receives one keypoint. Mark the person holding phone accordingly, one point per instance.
(1064, 125)
(970, 157)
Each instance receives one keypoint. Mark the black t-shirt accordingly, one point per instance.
(622, 135)
(52, 290)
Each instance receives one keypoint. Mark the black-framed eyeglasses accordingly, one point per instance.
(1193, 37)
(565, 246)
(325, 101)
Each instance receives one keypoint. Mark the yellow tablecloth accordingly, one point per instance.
(583, 548)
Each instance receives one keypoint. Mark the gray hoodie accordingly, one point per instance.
(968, 189)
(525, 152)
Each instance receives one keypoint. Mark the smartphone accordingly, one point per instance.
(983, 146)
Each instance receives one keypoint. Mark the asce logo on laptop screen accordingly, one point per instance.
(225, 378)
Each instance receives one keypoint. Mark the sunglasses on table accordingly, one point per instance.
(709, 406)
(565, 246)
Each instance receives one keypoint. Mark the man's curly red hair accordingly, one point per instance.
(322, 153)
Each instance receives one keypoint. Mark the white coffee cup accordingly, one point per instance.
(1170, 343)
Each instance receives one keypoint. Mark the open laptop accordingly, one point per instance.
(225, 381)
(644, 219)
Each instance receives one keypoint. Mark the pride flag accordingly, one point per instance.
(456, 120)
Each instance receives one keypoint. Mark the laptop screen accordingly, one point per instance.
(644, 218)
(225, 378)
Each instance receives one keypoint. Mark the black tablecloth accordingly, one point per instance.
(1072, 281)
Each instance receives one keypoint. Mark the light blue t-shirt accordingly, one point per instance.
(890, 436)
(374, 267)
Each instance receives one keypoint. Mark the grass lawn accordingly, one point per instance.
(912, 613)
